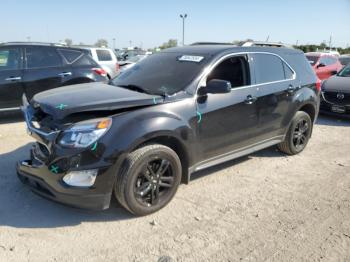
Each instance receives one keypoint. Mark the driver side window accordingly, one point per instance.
(234, 70)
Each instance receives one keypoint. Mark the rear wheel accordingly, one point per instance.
(298, 134)
(149, 179)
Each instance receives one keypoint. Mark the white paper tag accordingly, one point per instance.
(191, 58)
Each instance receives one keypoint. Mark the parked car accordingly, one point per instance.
(131, 62)
(126, 54)
(335, 97)
(30, 68)
(105, 57)
(344, 59)
(178, 111)
(324, 64)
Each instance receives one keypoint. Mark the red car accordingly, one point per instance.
(325, 65)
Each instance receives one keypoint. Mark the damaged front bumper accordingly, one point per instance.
(48, 164)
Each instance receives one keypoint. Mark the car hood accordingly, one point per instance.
(337, 83)
(64, 101)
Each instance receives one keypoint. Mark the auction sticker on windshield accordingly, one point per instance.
(191, 58)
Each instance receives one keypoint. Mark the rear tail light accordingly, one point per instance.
(117, 67)
(100, 71)
(318, 85)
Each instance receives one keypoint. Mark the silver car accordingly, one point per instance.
(106, 58)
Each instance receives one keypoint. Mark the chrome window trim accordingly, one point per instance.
(208, 70)
(9, 109)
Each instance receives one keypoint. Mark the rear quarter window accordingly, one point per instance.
(85, 60)
(70, 55)
(103, 55)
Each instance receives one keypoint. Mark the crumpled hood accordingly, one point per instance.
(337, 83)
(64, 101)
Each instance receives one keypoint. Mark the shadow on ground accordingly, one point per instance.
(11, 117)
(21, 208)
(326, 120)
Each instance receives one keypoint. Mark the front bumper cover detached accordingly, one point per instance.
(43, 180)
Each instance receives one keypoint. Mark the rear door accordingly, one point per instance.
(44, 70)
(10, 77)
(276, 84)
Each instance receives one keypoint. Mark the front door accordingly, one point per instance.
(227, 122)
(11, 90)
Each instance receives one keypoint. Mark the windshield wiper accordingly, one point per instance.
(134, 88)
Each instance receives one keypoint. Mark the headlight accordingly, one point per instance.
(84, 134)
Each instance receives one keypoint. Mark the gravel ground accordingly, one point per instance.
(263, 207)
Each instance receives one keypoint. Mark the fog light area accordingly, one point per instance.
(85, 178)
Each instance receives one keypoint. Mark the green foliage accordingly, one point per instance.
(321, 47)
(101, 43)
(169, 44)
(68, 41)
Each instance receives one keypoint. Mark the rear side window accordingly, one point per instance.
(9, 59)
(70, 55)
(84, 60)
(103, 55)
(39, 57)
(270, 68)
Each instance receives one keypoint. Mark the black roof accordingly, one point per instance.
(216, 49)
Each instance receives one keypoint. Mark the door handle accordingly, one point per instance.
(291, 89)
(250, 100)
(63, 74)
(13, 78)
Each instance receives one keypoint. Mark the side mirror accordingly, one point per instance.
(321, 65)
(334, 72)
(215, 86)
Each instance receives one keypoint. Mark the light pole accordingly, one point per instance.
(183, 17)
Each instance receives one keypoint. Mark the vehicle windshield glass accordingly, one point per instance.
(162, 73)
(345, 72)
(344, 60)
(312, 59)
(135, 59)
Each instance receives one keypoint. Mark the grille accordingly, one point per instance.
(333, 98)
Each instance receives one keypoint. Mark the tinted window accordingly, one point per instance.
(70, 55)
(161, 73)
(84, 60)
(324, 60)
(38, 57)
(312, 59)
(9, 59)
(287, 71)
(344, 60)
(234, 70)
(103, 55)
(345, 72)
(268, 68)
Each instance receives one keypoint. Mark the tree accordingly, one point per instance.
(101, 43)
(68, 41)
(169, 44)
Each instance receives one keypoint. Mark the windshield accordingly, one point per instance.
(344, 60)
(162, 73)
(345, 72)
(312, 59)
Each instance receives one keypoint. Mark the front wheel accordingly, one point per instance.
(298, 134)
(149, 179)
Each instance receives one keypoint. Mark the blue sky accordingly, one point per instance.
(153, 22)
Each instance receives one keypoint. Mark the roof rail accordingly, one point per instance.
(32, 43)
(210, 43)
(262, 43)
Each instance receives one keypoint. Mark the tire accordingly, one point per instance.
(297, 132)
(137, 187)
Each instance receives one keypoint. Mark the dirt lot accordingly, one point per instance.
(264, 207)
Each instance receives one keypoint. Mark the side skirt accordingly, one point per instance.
(235, 154)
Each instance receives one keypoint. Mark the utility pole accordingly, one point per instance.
(183, 17)
(330, 43)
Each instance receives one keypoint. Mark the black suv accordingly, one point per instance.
(176, 112)
(29, 68)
